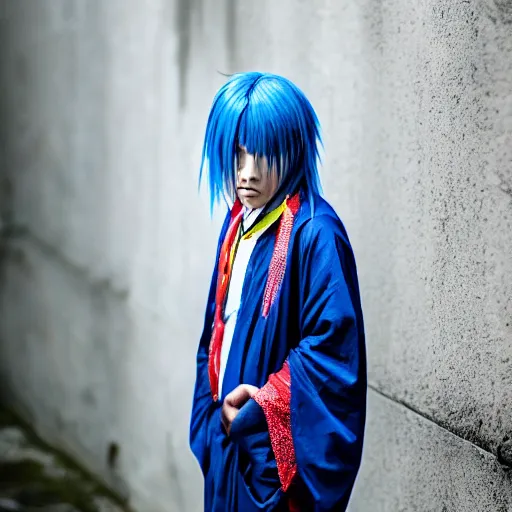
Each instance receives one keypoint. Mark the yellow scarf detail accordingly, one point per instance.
(265, 222)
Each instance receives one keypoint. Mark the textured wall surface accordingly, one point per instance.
(104, 275)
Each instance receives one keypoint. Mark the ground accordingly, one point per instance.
(34, 478)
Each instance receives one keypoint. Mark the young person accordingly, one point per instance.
(280, 397)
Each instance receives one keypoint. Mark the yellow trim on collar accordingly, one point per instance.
(268, 220)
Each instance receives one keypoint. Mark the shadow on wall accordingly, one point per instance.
(189, 15)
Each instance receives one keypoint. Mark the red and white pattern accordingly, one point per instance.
(274, 399)
(280, 255)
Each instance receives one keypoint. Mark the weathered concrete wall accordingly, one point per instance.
(104, 278)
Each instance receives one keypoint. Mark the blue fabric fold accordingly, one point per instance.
(256, 459)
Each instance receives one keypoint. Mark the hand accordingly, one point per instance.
(233, 402)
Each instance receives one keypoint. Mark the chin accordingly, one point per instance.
(251, 202)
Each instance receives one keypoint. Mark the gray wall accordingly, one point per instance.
(109, 246)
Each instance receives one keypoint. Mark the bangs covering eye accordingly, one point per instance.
(268, 116)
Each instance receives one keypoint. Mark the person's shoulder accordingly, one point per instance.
(321, 221)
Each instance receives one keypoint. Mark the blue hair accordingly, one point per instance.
(271, 117)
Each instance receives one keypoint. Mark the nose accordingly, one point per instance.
(248, 173)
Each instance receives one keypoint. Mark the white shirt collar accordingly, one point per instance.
(249, 216)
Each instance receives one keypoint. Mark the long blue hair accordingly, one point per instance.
(271, 117)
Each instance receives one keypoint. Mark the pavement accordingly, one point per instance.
(35, 478)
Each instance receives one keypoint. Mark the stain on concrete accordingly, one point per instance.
(10, 254)
(184, 18)
(231, 34)
(33, 476)
(113, 455)
(68, 11)
(88, 397)
(505, 186)
(498, 11)
(6, 197)
(504, 8)
(505, 452)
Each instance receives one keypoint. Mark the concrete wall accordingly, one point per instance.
(109, 246)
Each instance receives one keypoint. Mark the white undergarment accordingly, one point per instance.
(234, 297)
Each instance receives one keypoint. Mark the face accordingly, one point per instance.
(255, 182)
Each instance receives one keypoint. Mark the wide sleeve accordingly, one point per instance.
(315, 406)
(205, 415)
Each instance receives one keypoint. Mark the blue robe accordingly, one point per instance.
(316, 325)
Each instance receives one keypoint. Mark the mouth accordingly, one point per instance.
(248, 192)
